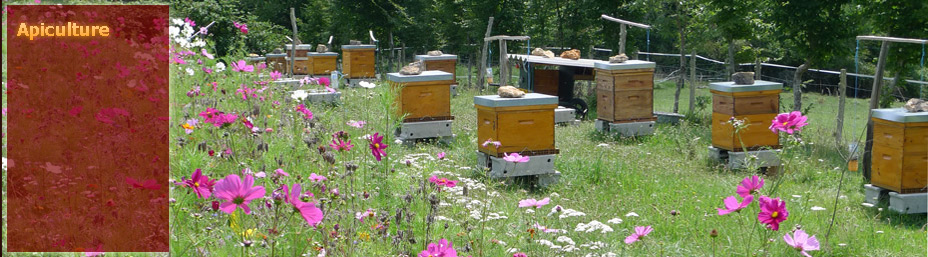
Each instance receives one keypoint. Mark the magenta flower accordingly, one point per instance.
(190, 22)
(207, 54)
(772, 212)
(324, 81)
(440, 156)
(217, 118)
(356, 124)
(491, 142)
(307, 114)
(377, 146)
(340, 145)
(199, 183)
(442, 181)
(241, 26)
(242, 66)
(802, 242)
(442, 249)
(316, 178)
(237, 193)
(520, 254)
(276, 75)
(281, 172)
(531, 202)
(789, 122)
(308, 210)
(515, 157)
(749, 186)
(732, 204)
(190, 125)
(640, 232)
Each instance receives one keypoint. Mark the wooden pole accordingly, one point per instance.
(874, 103)
(842, 87)
(392, 53)
(693, 82)
(503, 63)
(622, 34)
(757, 70)
(294, 41)
(481, 63)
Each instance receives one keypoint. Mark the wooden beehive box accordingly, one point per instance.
(756, 104)
(900, 150)
(545, 81)
(445, 62)
(301, 65)
(301, 49)
(423, 97)
(521, 125)
(625, 91)
(322, 63)
(358, 61)
(277, 62)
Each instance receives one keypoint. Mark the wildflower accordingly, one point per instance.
(276, 75)
(190, 125)
(368, 213)
(150, 184)
(241, 27)
(442, 181)
(818, 208)
(442, 249)
(299, 95)
(217, 118)
(220, 67)
(732, 204)
(520, 254)
(749, 186)
(366, 84)
(772, 212)
(308, 210)
(789, 122)
(515, 157)
(190, 22)
(340, 145)
(316, 178)
(237, 193)
(377, 146)
(491, 142)
(640, 232)
(441, 156)
(199, 183)
(206, 54)
(593, 226)
(356, 124)
(547, 229)
(531, 202)
(802, 242)
(323, 81)
(242, 66)
(281, 172)
(307, 114)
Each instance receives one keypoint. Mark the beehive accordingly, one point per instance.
(625, 91)
(423, 97)
(301, 65)
(757, 105)
(277, 62)
(545, 81)
(358, 61)
(301, 49)
(900, 150)
(322, 63)
(255, 60)
(522, 125)
(444, 62)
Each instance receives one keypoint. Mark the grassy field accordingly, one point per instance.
(665, 181)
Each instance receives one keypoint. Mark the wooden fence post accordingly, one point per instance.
(294, 42)
(481, 63)
(757, 70)
(622, 34)
(692, 82)
(842, 87)
(874, 103)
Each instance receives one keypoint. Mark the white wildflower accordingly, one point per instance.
(631, 214)
(565, 239)
(299, 95)
(190, 71)
(868, 205)
(615, 221)
(220, 67)
(593, 226)
(818, 208)
(549, 244)
(366, 84)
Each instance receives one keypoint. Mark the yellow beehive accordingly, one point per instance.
(900, 150)
(322, 63)
(423, 97)
(757, 105)
(444, 62)
(358, 61)
(522, 125)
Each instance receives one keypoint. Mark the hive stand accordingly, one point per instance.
(916, 203)
(521, 125)
(444, 62)
(315, 95)
(358, 63)
(625, 97)
(425, 100)
(757, 104)
(566, 116)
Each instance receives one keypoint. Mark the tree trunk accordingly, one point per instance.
(797, 86)
(676, 95)
(693, 82)
(732, 67)
(874, 101)
(481, 63)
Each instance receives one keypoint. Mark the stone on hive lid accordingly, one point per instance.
(510, 92)
(620, 58)
(320, 48)
(743, 78)
(253, 55)
(435, 53)
(572, 54)
(414, 68)
(354, 42)
(278, 51)
(916, 105)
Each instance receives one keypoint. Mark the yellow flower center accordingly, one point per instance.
(196, 184)
(376, 145)
(774, 214)
(786, 122)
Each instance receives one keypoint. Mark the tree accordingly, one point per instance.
(732, 18)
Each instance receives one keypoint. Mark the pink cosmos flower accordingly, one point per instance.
(356, 124)
(237, 193)
(442, 249)
(316, 178)
(199, 183)
(732, 204)
(307, 114)
(520, 254)
(241, 26)
(749, 186)
(802, 242)
(281, 172)
(440, 156)
(251, 126)
(640, 232)
(515, 157)
(242, 66)
(324, 81)
(190, 22)
(207, 54)
(204, 31)
(377, 146)
(308, 210)
(547, 229)
(531, 202)
(150, 184)
(772, 212)
(491, 142)
(217, 118)
(368, 213)
(340, 145)
(276, 75)
(442, 181)
(789, 122)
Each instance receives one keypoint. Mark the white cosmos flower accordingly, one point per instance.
(299, 95)
(220, 67)
(366, 84)
(615, 221)
(190, 72)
